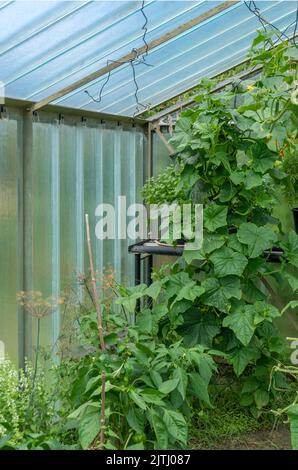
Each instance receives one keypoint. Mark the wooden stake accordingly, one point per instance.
(94, 288)
(100, 331)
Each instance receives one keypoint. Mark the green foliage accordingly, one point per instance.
(163, 188)
(291, 411)
(256, 238)
(290, 166)
(215, 217)
(158, 364)
(234, 155)
(150, 385)
(245, 320)
(229, 419)
(193, 92)
(27, 410)
(293, 418)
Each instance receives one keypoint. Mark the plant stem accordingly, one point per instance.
(37, 353)
(35, 368)
(100, 331)
(268, 273)
(103, 399)
(277, 118)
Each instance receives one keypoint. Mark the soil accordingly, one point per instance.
(278, 439)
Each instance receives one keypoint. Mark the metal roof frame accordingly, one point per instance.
(134, 54)
(84, 113)
(218, 73)
(180, 105)
(51, 54)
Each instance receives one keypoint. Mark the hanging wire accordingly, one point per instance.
(138, 59)
(256, 11)
(145, 31)
(296, 27)
(253, 8)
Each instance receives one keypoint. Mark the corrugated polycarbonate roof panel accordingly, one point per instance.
(47, 45)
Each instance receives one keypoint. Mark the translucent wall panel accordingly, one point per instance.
(45, 221)
(108, 190)
(70, 205)
(9, 235)
(68, 170)
(76, 167)
(130, 182)
(92, 152)
(160, 154)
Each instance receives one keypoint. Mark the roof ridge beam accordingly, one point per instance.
(134, 54)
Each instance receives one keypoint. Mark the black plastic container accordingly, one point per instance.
(295, 215)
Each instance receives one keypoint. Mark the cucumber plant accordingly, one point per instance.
(223, 294)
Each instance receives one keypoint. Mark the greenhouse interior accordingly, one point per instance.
(148, 225)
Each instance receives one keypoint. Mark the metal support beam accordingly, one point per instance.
(27, 219)
(164, 140)
(180, 105)
(149, 161)
(134, 54)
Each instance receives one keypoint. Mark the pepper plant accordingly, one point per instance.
(150, 385)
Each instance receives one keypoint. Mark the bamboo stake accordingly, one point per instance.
(100, 331)
(93, 282)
